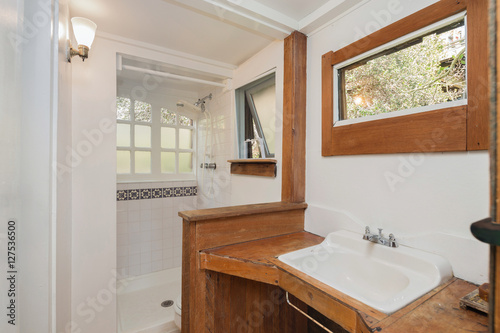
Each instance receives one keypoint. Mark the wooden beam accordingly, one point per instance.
(478, 84)
(494, 301)
(294, 119)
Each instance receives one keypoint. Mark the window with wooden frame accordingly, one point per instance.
(458, 126)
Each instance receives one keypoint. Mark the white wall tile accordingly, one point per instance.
(149, 231)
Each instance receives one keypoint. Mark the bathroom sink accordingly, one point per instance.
(384, 278)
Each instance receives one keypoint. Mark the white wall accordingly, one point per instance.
(251, 189)
(10, 85)
(218, 188)
(440, 194)
(35, 93)
(94, 231)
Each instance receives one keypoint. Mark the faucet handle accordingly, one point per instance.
(367, 230)
(380, 232)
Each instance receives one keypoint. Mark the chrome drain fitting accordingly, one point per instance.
(167, 304)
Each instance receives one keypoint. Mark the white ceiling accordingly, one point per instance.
(226, 31)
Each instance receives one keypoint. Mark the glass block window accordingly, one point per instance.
(153, 143)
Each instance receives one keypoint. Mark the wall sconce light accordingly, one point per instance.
(84, 30)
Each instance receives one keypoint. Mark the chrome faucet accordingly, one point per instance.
(380, 239)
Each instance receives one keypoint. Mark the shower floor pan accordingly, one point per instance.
(140, 302)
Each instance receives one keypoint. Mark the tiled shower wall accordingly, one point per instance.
(148, 226)
(215, 185)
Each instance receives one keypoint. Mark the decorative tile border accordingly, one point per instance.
(156, 193)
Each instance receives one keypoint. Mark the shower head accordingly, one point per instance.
(188, 106)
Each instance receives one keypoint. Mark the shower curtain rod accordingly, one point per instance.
(171, 76)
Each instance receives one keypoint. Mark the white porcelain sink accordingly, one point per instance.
(384, 278)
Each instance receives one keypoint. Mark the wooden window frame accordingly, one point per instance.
(460, 128)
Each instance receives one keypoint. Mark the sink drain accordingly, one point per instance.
(167, 304)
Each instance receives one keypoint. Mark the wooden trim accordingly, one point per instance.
(464, 128)
(239, 229)
(339, 312)
(478, 83)
(494, 306)
(242, 210)
(427, 16)
(254, 271)
(254, 167)
(294, 118)
(327, 104)
(254, 161)
(440, 130)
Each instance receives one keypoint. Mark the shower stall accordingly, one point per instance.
(165, 164)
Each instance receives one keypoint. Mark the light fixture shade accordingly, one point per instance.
(84, 30)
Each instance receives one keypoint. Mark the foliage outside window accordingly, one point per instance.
(256, 116)
(153, 143)
(426, 70)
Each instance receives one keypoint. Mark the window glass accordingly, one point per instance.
(153, 143)
(185, 121)
(123, 108)
(123, 135)
(185, 162)
(167, 117)
(122, 161)
(185, 138)
(256, 118)
(428, 70)
(265, 104)
(168, 162)
(168, 138)
(142, 162)
(142, 136)
(142, 111)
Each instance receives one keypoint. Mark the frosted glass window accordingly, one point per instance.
(142, 111)
(122, 161)
(167, 117)
(142, 136)
(167, 162)
(123, 108)
(185, 121)
(168, 138)
(123, 135)
(142, 162)
(185, 138)
(265, 104)
(185, 162)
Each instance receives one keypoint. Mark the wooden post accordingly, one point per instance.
(494, 299)
(293, 186)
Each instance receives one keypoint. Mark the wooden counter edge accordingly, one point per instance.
(257, 271)
(234, 211)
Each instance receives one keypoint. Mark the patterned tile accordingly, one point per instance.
(168, 192)
(178, 191)
(157, 193)
(133, 194)
(188, 191)
(121, 195)
(145, 193)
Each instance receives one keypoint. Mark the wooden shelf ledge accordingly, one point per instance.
(234, 211)
(254, 167)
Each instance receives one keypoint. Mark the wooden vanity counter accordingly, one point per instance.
(437, 311)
